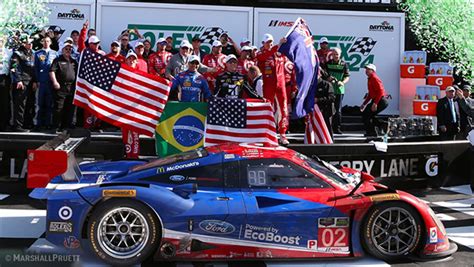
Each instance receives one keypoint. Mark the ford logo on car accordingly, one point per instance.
(177, 178)
(216, 227)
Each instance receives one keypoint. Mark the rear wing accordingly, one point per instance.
(55, 157)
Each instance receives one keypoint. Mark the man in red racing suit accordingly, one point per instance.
(272, 65)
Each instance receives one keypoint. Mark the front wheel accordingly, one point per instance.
(392, 230)
(123, 232)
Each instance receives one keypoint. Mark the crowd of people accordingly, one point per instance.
(40, 84)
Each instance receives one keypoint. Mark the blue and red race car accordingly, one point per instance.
(235, 202)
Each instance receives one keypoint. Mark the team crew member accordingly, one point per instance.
(23, 85)
(158, 60)
(290, 82)
(148, 51)
(191, 84)
(232, 84)
(131, 139)
(141, 64)
(44, 105)
(92, 43)
(244, 62)
(115, 52)
(377, 100)
(214, 60)
(63, 77)
(271, 63)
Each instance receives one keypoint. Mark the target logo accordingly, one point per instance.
(65, 213)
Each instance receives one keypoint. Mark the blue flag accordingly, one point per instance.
(300, 50)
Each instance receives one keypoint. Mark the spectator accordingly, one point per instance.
(139, 49)
(338, 72)
(228, 45)
(23, 85)
(170, 47)
(5, 83)
(244, 62)
(447, 112)
(214, 60)
(272, 65)
(63, 76)
(148, 51)
(178, 61)
(115, 52)
(467, 107)
(245, 42)
(231, 84)
(255, 77)
(191, 84)
(466, 122)
(324, 97)
(376, 96)
(44, 105)
(158, 60)
(126, 43)
(323, 51)
(75, 39)
(197, 50)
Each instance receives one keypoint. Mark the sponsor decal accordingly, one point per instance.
(229, 156)
(160, 170)
(312, 244)
(177, 167)
(384, 26)
(333, 237)
(325, 222)
(431, 166)
(71, 242)
(65, 213)
(177, 178)
(60, 227)
(216, 227)
(384, 197)
(342, 222)
(279, 23)
(74, 14)
(433, 235)
(269, 234)
(119, 193)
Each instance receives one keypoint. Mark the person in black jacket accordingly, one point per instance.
(325, 98)
(232, 84)
(447, 112)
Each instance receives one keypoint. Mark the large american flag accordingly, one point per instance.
(240, 121)
(317, 131)
(119, 95)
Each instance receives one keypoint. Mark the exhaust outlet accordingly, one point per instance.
(168, 250)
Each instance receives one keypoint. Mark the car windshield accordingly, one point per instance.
(194, 154)
(329, 171)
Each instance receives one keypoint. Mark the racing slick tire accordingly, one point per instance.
(123, 232)
(392, 230)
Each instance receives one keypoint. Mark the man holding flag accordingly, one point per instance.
(299, 49)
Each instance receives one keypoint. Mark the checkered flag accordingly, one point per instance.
(363, 45)
(211, 34)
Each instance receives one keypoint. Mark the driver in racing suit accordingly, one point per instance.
(271, 63)
(193, 85)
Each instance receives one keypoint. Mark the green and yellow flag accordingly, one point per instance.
(181, 128)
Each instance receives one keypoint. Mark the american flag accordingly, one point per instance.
(119, 95)
(316, 129)
(240, 121)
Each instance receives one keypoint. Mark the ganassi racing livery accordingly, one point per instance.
(235, 202)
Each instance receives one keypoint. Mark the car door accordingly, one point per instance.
(284, 203)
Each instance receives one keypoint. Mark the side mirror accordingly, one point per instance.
(366, 177)
(185, 190)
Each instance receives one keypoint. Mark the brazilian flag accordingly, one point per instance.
(181, 127)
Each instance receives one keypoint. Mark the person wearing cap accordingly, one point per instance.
(228, 45)
(323, 51)
(197, 50)
(214, 60)
(271, 63)
(447, 112)
(142, 64)
(466, 122)
(244, 62)
(170, 46)
(178, 62)
(63, 77)
(74, 54)
(158, 60)
(378, 102)
(148, 51)
(126, 43)
(338, 74)
(44, 98)
(253, 54)
(466, 106)
(115, 52)
(190, 85)
(245, 42)
(231, 84)
(23, 80)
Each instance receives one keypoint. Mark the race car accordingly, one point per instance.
(231, 202)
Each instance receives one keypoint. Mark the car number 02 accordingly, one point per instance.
(333, 237)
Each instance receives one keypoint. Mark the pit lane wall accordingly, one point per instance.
(364, 37)
(409, 164)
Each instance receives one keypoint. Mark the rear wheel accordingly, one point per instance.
(392, 230)
(123, 232)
